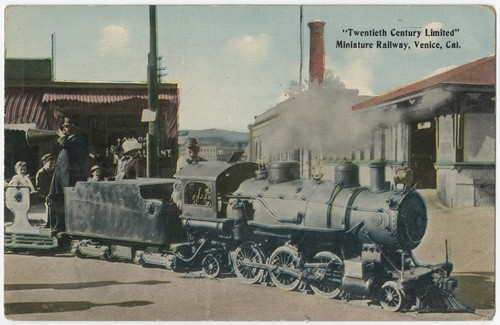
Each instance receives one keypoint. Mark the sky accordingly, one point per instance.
(235, 62)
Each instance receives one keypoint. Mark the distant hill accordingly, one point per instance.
(214, 136)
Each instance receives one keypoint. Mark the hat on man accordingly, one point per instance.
(131, 145)
(68, 121)
(48, 157)
(191, 142)
(95, 167)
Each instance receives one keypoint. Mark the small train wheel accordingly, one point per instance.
(171, 262)
(329, 279)
(211, 266)
(248, 252)
(392, 297)
(285, 261)
(80, 254)
(107, 256)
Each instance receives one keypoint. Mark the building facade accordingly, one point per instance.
(216, 144)
(443, 128)
(108, 113)
(314, 127)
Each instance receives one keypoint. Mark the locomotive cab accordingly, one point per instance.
(206, 189)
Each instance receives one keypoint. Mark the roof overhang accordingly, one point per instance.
(445, 87)
(468, 77)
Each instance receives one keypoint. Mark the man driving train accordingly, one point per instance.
(190, 156)
(191, 153)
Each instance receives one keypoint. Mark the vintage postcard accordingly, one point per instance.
(268, 162)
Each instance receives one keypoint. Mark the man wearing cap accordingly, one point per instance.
(190, 155)
(71, 167)
(44, 175)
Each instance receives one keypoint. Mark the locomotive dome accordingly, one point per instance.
(283, 171)
(347, 174)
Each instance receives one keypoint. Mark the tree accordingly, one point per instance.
(330, 81)
(294, 88)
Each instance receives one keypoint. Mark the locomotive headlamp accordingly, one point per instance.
(404, 176)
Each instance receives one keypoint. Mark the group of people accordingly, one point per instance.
(73, 163)
(129, 163)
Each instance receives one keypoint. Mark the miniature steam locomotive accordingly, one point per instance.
(335, 237)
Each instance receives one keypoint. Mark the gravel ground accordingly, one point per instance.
(470, 233)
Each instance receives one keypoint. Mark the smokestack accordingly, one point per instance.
(377, 176)
(316, 52)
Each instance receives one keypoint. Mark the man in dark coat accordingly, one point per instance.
(71, 167)
(135, 165)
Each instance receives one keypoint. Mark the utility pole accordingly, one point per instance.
(153, 137)
(301, 48)
(53, 57)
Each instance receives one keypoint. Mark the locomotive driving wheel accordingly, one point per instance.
(286, 271)
(392, 297)
(80, 254)
(245, 255)
(211, 266)
(329, 277)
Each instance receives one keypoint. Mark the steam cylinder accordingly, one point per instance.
(237, 214)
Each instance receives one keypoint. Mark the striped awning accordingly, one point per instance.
(168, 102)
(25, 107)
(46, 107)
